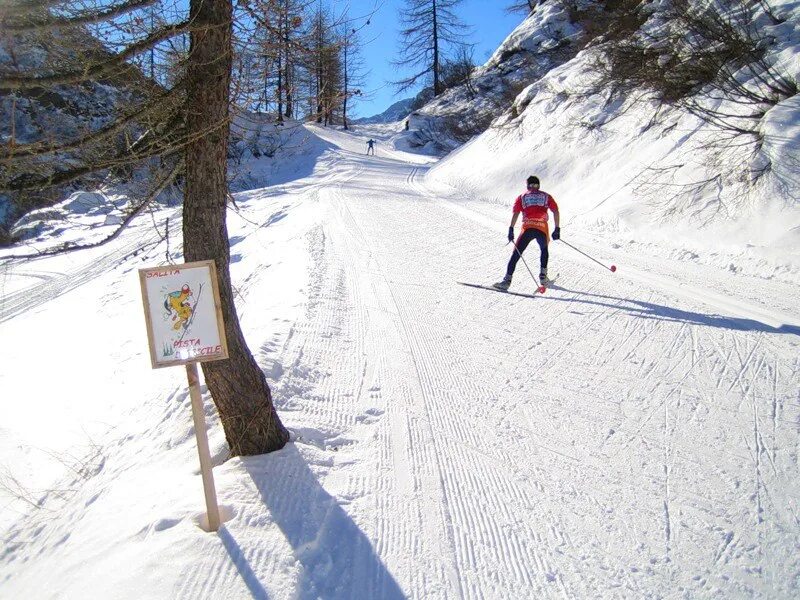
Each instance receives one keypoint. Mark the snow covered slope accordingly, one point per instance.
(630, 435)
(397, 111)
(55, 114)
(652, 177)
(546, 39)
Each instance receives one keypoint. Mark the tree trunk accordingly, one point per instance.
(344, 74)
(237, 385)
(288, 84)
(279, 89)
(437, 86)
(288, 79)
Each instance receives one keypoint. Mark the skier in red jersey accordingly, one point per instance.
(533, 205)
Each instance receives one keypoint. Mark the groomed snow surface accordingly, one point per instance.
(627, 435)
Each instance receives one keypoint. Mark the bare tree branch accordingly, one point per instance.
(27, 23)
(160, 186)
(118, 62)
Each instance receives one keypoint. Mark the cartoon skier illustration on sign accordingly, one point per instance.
(182, 313)
(178, 306)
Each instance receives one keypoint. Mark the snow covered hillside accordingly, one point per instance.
(53, 115)
(660, 178)
(628, 435)
(396, 112)
(546, 39)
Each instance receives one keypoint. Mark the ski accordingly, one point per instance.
(494, 289)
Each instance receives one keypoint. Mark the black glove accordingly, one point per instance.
(557, 233)
(510, 234)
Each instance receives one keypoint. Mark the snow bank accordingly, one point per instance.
(73, 218)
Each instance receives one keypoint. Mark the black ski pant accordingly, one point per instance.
(525, 238)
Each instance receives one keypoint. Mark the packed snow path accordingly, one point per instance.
(627, 435)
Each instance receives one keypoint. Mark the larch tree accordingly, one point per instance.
(323, 66)
(238, 385)
(428, 28)
(352, 64)
(522, 6)
(269, 34)
(289, 16)
(182, 127)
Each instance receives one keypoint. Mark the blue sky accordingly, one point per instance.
(490, 26)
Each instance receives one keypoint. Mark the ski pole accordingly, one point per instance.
(539, 288)
(612, 268)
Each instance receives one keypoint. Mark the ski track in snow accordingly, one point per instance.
(617, 437)
(86, 265)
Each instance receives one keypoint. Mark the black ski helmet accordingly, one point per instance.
(533, 180)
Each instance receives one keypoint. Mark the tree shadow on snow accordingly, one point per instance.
(650, 310)
(239, 559)
(337, 559)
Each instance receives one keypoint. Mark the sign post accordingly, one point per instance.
(184, 327)
(199, 416)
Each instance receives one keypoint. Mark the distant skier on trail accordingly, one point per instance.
(370, 147)
(533, 204)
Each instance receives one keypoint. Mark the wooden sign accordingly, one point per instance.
(182, 311)
(184, 327)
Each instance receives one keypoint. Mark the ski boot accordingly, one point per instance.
(502, 285)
